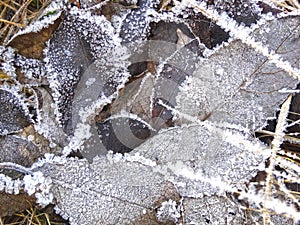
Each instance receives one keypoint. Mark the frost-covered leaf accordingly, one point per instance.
(206, 30)
(18, 150)
(31, 44)
(246, 94)
(208, 154)
(68, 55)
(198, 163)
(246, 12)
(136, 24)
(91, 54)
(109, 191)
(123, 134)
(212, 210)
(13, 116)
(126, 187)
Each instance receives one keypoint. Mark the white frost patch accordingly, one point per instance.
(90, 81)
(40, 185)
(168, 211)
(220, 71)
(137, 157)
(81, 133)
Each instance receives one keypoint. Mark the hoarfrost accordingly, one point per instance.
(247, 94)
(209, 154)
(212, 210)
(91, 193)
(215, 105)
(168, 211)
(14, 115)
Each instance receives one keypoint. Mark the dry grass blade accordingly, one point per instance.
(32, 216)
(289, 5)
(16, 14)
(275, 147)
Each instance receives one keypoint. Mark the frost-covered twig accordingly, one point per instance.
(15, 167)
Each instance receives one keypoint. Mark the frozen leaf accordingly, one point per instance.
(31, 45)
(18, 150)
(123, 134)
(30, 71)
(209, 33)
(13, 116)
(136, 98)
(109, 191)
(208, 154)
(247, 94)
(198, 162)
(212, 210)
(68, 55)
(246, 11)
(136, 24)
(92, 54)
(168, 31)
(48, 126)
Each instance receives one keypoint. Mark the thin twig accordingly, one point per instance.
(11, 23)
(275, 147)
(15, 167)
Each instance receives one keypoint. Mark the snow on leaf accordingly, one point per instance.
(168, 211)
(68, 54)
(92, 53)
(218, 105)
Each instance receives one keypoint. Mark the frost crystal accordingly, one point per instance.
(208, 155)
(168, 211)
(40, 185)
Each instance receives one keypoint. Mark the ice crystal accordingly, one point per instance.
(88, 55)
(168, 211)
(209, 154)
(212, 210)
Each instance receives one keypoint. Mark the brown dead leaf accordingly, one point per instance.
(31, 45)
(10, 204)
